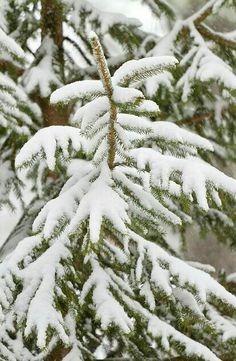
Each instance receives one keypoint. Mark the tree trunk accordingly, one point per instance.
(58, 354)
(53, 114)
(52, 26)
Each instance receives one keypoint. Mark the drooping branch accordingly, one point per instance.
(159, 6)
(204, 12)
(6, 65)
(206, 32)
(82, 52)
(196, 118)
(107, 84)
(217, 38)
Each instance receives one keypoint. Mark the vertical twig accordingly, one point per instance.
(107, 84)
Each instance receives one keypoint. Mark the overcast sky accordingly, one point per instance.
(131, 8)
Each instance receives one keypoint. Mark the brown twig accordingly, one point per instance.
(107, 84)
(217, 38)
(204, 13)
(196, 118)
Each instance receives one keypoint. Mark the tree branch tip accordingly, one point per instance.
(92, 36)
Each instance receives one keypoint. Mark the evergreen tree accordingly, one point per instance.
(91, 280)
(63, 54)
(200, 93)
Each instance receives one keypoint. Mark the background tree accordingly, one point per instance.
(200, 93)
(19, 117)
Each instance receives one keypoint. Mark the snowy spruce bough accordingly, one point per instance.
(98, 277)
(19, 119)
(200, 93)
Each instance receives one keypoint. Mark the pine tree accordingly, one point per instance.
(63, 54)
(200, 93)
(91, 280)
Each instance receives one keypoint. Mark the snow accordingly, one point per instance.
(75, 352)
(205, 66)
(162, 130)
(165, 332)
(84, 89)
(42, 76)
(160, 329)
(46, 142)
(126, 95)
(120, 255)
(196, 174)
(64, 206)
(159, 10)
(136, 70)
(39, 279)
(108, 309)
(3, 20)
(202, 63)
(148, 106)
(8, 185)
(43, 301)
(19, 94)
(15, 106)
(146, 292)
(212, 67)
(152, 85)
(216, 4)
(91, 112)
(130, 128)
(10, 46)
(172, 132)
(145, 198)
(96, 205)
(106, 18)
(205, 285)
(100, 205)
(204, 267)
(187, 300)
(98, 138)
(226, 326)
(231, 277)
(166, 45)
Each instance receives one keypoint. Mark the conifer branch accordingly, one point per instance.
(6, 65)
(158, 6)
(76, 45)
(204, 12)
(196, 118)
(107, 84)
(217, 38)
